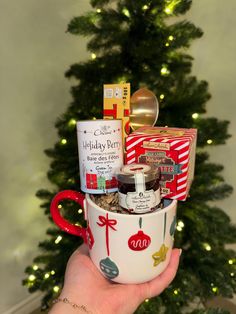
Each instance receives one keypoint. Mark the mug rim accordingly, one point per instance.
(172, 205)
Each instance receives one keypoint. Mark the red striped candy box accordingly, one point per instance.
(170, 149)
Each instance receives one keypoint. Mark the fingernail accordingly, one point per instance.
(180, 252)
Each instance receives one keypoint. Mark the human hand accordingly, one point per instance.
(85, 285)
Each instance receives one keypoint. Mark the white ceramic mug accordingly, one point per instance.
(125, 248)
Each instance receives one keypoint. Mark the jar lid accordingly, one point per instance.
(127, 173)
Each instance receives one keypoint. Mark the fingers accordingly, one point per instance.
(157, 285)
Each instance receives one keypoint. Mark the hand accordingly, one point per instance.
(85, 285)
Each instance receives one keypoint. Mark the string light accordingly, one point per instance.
(167, 44)
(176, 292)
(195, 115)
(52, 272)
(80, 211)
(162, 96)
(209, 142)
(31, 277)
(58, 239)
(146, 300)
(171, 37)
(63, 141)
(171, 6)
(98, 10)
(93, 56)
(230, 261)
(125, 11)
(56, 289)
(72, 122)
(207, 246)
(46, 276)
(180, 225)
(145, 7)
(232, 274)
(59, 206)
(164, 70)
(35, 267)
(215, 289)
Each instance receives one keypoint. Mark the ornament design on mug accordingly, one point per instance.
(139, 241)
(108, 223)
(90, 238)
(109, 268)
(160, 256)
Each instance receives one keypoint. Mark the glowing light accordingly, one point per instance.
(179, 228)
(209, 141)
(78, 224)
(171, 37)
(72, 122)
(63, 141)
(31, 277)
(230, 261)
(207, 246)
(94, 118)
(232, 274)
(164, 70)
(59, 206)
(162, 96)
(47, 275)
(80, 211)
(146, 300)
(93, 56)
(145, 7)
(195, 115)
(56, 289)
(167, 44)
(35, 267)
(176, 292)
(126, 12)
(180, 223)
(52, 272)
(171, 6)
(58, 239)
(215, 289)
(98, 10)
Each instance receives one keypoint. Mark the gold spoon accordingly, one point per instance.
(144, 109)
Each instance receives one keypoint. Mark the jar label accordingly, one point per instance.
(140, 202)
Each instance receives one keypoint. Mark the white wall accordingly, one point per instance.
(35, 52)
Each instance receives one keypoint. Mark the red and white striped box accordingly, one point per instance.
(170, 149)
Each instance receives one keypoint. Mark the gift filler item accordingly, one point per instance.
(125, 248)
(172, 150)
(139, 188)
(116, 104)
(144, 109)
(100, 154)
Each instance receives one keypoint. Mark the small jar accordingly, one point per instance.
(139, 188)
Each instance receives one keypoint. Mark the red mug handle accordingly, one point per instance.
(62, 222)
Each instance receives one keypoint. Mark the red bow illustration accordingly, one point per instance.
(109, 223)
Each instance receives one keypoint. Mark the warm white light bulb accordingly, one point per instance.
(31, 277)
(56, 289)
(209, 141)
(63, 141)
(58, 239)
(195, 115)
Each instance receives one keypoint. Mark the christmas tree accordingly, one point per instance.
(140, 42)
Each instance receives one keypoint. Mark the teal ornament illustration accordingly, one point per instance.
(172, 227)
(109, 268)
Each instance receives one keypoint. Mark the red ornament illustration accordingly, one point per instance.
(139, 241)
(108, 223)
